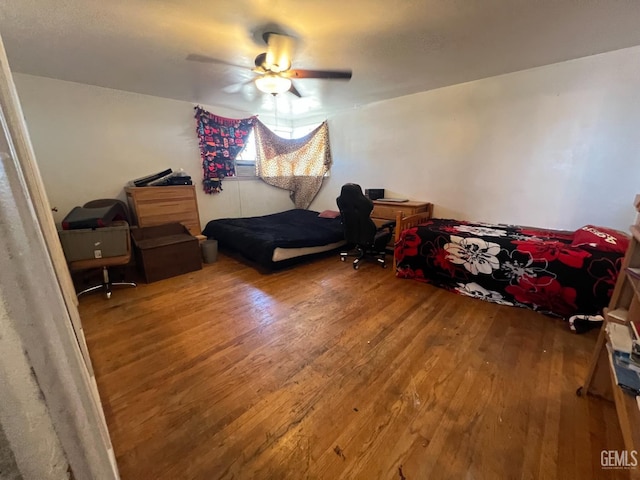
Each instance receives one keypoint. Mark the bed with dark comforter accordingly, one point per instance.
(511, 265)
(280, 239)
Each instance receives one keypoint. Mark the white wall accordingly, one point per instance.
(556, 146)
(90, 141)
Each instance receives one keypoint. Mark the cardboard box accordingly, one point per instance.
(92, 243)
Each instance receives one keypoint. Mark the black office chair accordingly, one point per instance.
(360, 232)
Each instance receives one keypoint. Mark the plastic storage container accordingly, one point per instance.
(88, 243)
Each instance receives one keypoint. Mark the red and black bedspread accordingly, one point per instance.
(510, 265)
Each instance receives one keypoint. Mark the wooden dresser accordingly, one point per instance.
(386, 211)
(157, 205)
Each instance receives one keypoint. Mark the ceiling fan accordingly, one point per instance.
(273, 67)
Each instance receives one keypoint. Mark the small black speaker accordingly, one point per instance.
(374, 193)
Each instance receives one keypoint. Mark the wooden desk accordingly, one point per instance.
(158, 205)
(386, 211)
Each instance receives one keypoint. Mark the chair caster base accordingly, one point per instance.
(106, 287)
(363, 254)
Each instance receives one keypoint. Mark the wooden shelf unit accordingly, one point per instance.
(158, 205)
(623, 307)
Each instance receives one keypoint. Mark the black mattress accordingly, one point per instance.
(256, 238)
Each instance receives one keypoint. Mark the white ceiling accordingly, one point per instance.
(394, 47)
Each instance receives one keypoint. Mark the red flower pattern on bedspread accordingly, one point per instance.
(605, 272)
(441, 260)
(550, 251)
(452, 228)
(544, 293)
(408, 244)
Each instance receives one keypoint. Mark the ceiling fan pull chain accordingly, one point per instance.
(275, 109)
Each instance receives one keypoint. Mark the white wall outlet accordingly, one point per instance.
(97, 253)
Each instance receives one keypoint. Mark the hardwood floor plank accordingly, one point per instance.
(324, 372)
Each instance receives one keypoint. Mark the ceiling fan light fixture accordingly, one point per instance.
(270, 83)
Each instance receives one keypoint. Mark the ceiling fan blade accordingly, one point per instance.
(194, 57)
(326, 74)
(295, 91)
(236, 87)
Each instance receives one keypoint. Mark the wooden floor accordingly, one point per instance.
(324, 372)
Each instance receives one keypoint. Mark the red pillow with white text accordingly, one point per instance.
(604, 239)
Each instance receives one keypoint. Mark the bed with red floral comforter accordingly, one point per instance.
(543, 270)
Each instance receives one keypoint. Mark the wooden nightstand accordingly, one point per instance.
(386, 211)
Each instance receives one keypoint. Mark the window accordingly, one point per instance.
(246, 159)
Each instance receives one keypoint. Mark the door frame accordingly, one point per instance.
(38, 293)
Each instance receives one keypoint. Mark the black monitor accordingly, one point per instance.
(374, 193)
